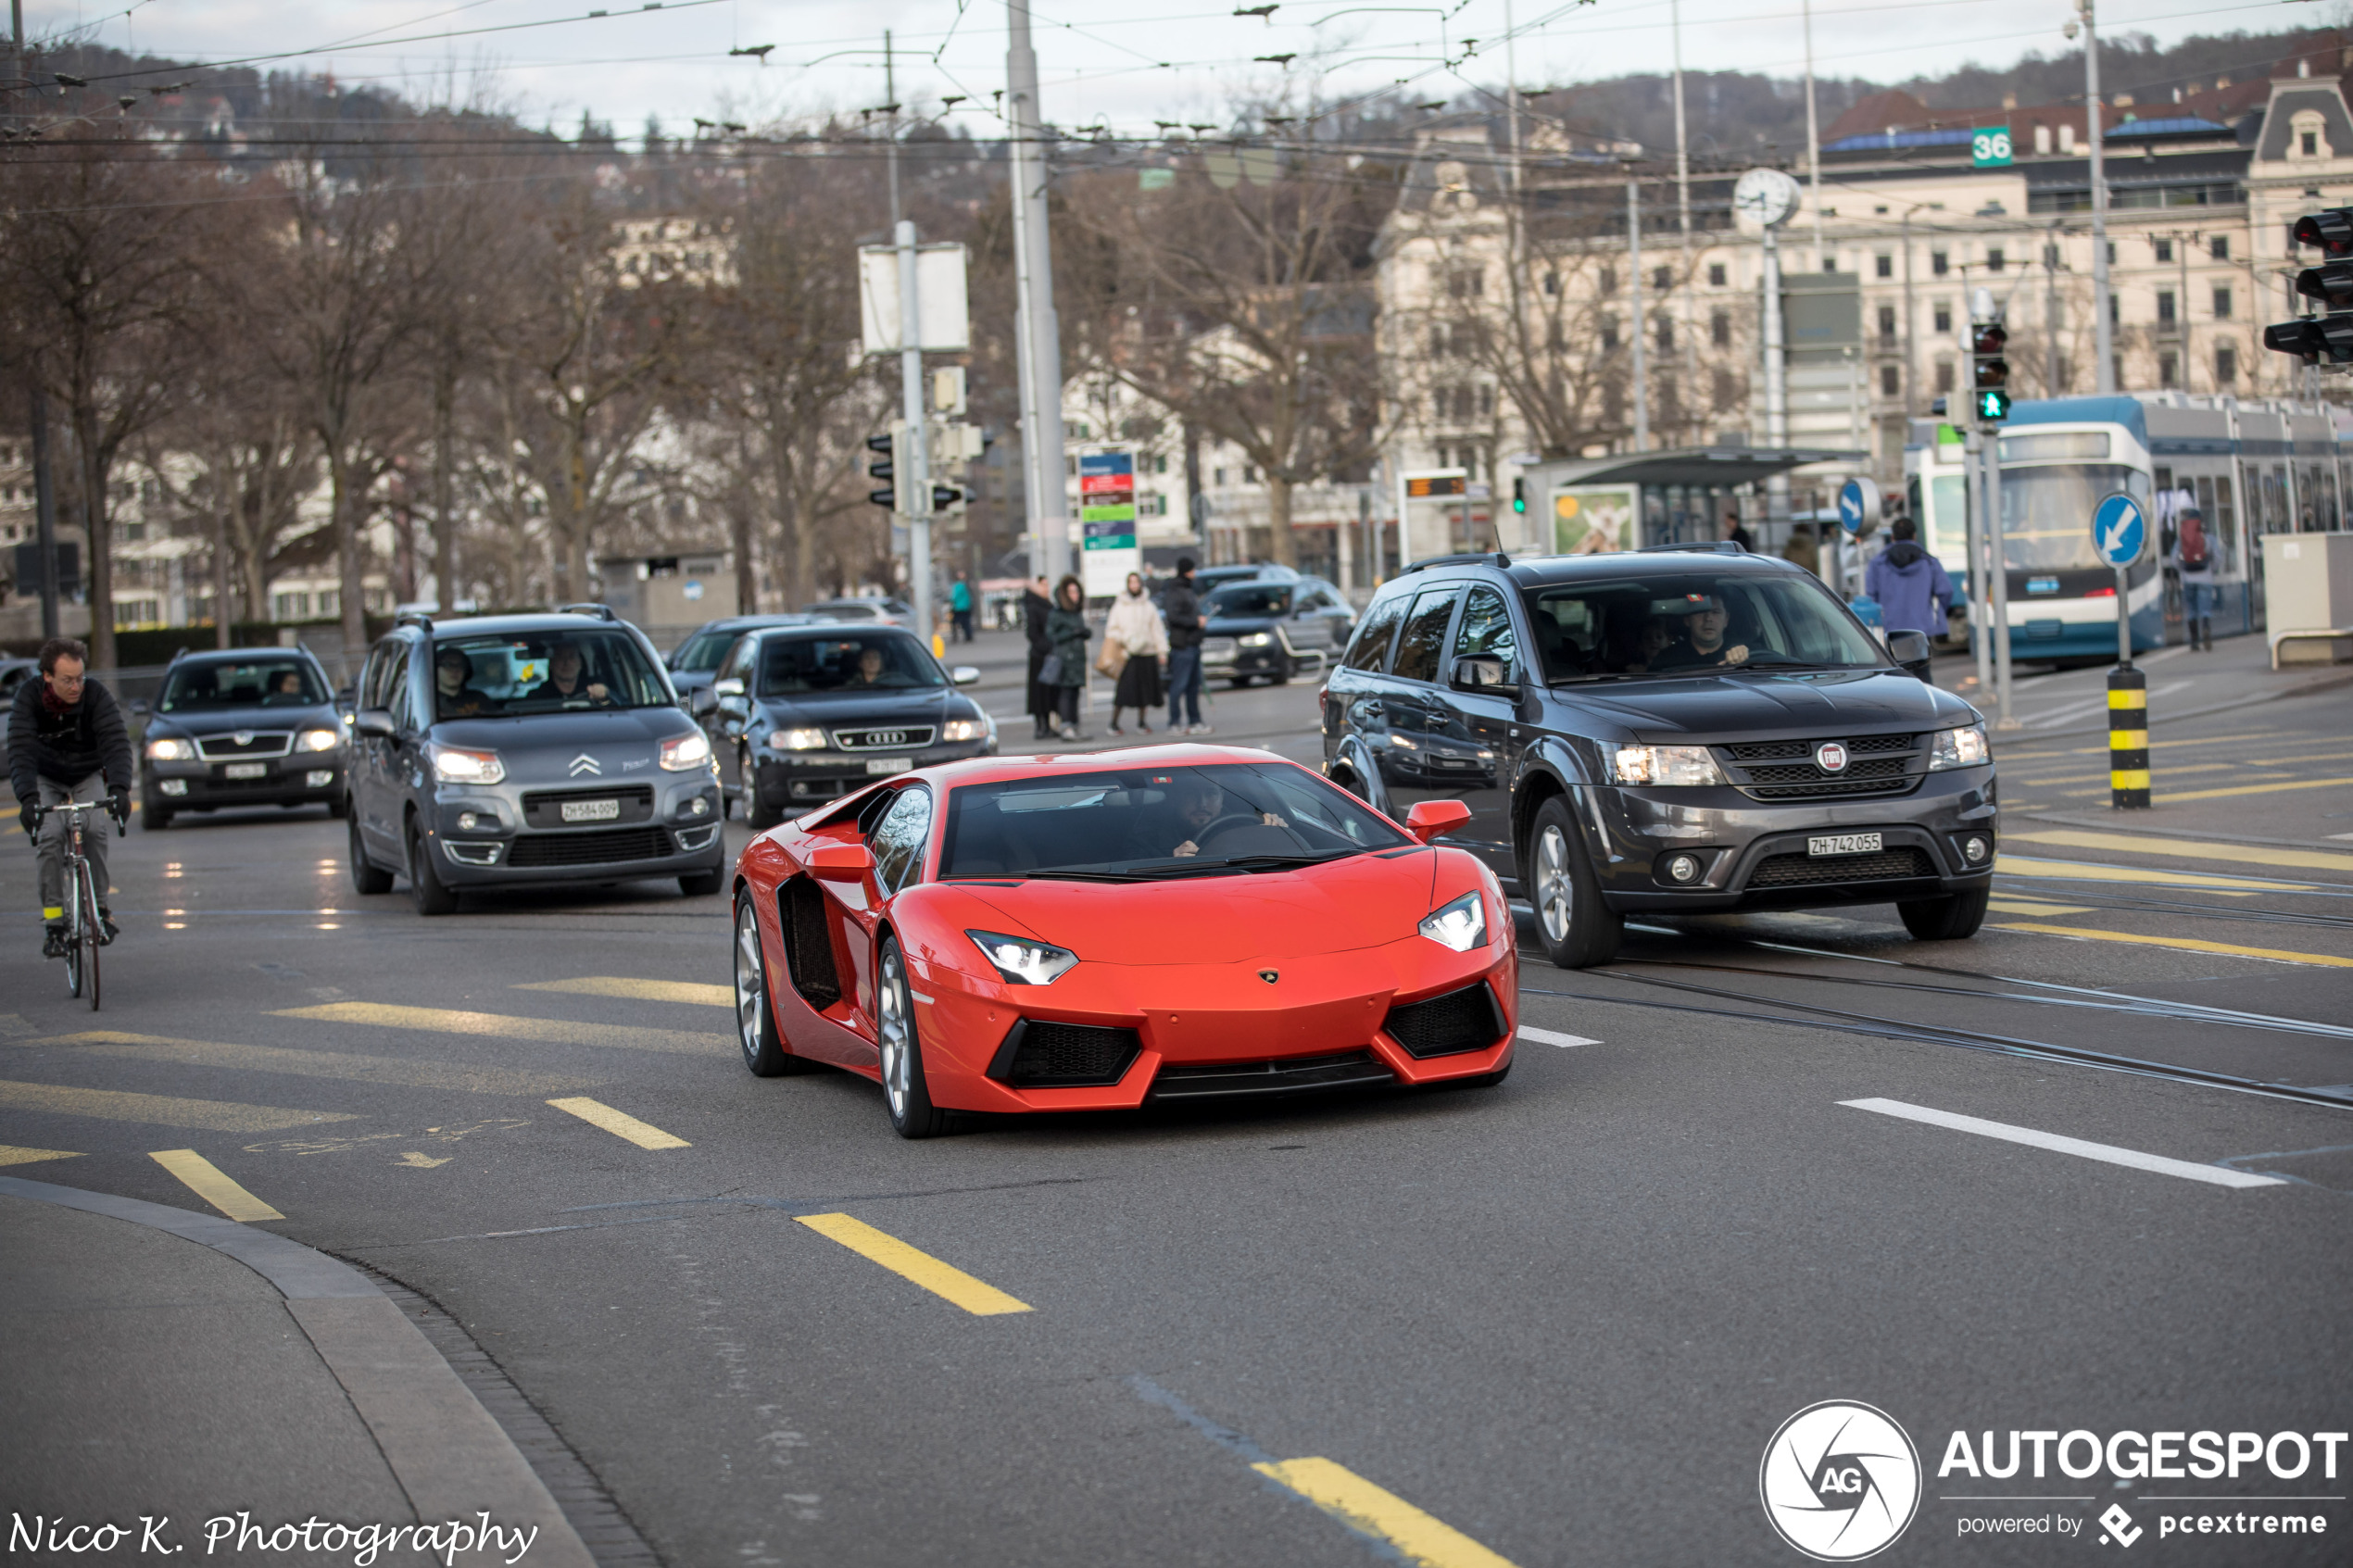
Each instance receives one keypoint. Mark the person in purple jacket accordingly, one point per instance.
(1913, 592)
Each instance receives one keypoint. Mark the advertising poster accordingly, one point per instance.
(1593, 520)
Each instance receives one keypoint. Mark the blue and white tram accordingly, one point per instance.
(2255, 468)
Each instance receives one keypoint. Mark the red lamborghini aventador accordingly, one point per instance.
(1095, 932)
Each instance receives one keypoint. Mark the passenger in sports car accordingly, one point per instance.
(1199, 802)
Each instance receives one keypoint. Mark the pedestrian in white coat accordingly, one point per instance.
(1140, 637)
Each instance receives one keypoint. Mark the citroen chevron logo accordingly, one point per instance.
(584, 763)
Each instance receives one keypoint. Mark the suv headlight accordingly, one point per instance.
(317, 740)
(1255, 639)
(1964, 747)
(1666, 765)
(171, 748)
(811, 739)
(1460, 925)
(451, 765)
(684, 752)
(1022, 961)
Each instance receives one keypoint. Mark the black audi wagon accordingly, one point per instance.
(1665, 732)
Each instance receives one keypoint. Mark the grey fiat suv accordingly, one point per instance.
(513, 750)
(1665, 732)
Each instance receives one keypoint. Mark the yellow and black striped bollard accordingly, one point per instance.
(2128, 738)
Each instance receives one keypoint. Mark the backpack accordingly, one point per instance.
(2191, 551)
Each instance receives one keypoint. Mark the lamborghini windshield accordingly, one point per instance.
(1150, 823)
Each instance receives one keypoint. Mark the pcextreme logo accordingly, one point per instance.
(1840, 1481)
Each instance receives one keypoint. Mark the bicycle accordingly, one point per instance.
(85, 932)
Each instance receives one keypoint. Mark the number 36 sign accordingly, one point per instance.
(1990, 148)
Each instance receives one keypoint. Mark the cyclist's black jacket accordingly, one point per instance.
(67, 747)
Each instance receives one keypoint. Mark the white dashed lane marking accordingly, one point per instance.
(2108, 1153)
(1554, 1037)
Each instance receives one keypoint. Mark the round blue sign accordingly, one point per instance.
(1857, 501)
(2120, 530)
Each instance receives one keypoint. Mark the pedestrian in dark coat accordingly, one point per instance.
(1034, 607)
(1066, 628)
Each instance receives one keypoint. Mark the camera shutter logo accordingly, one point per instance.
(1840, 1481)
(1831, 756)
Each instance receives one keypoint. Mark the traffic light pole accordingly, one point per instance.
(915, 450)
(1980, 612)
(1999, 579)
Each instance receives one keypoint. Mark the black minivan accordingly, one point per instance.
(1664, 731)
(513, 750)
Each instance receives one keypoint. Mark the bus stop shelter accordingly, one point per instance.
(1676, 496)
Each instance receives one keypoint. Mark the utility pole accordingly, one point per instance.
(1039, 334)
(917, 455)
(444, 524)
(2103, 330)
(44, 506)
(1814, 141)
(890, 97)
(2051, 314)
(1634, 266)
(1687, 343)
(1776, 376)
(1911, 359)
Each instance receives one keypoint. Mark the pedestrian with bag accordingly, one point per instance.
(1911, 588)
(1065, 667)
(1135, 640)
(960, 608)
(68, 744)
(1035, 607)
(2194, 560)
(1180, 613)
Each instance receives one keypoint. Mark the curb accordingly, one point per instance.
(450, 1457)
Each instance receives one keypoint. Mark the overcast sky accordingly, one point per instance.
(1123, 65)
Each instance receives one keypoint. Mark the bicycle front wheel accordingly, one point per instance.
(89, 935)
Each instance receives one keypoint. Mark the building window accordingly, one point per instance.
(1944, 316)
(2115, 309)
(1438, 342)
(1217, 476)
(1466, 282)
(1719, 328)
(1485, 401)
(1553, 337)
(2222, 304)
(2168, 370)
(290, 607)
(1250, 473)
(1609, 334)
(1883, 266)
(2226, 364)
(2165, 250)
(2165, 309)
(1663, 277)
(2219, 248)
(1608, 279)
(1943, 376)
(1887, 323)
(1829, 264)
(1552, 283)
(2311, 142)
(1716, 274)
(1939, 262)
(1666, 335)
(1994, 259)
(1890, 380)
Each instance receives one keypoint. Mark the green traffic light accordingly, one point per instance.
(1992, 405)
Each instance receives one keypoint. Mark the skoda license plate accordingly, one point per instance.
(246, 770)
(1844, 843)
(889, 764)
(592, 811)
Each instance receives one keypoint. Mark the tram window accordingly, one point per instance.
(2226, 521)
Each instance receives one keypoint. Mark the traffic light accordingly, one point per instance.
(1519, 494)
(2315, 338)
(1989, 398)
(899, 474)
(884, 471)
(947, 498)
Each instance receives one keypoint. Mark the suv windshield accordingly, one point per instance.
(501, 676)
(1250, 601)
(1688, 623)
(263, 683)
(870, 661)
(703, 650)
(1146, 823)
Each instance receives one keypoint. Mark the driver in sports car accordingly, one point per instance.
(1199, 802)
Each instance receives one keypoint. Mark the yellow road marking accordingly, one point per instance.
(2078, 871)
(2211, 740)
(209, 1182)
(10, 1154)
(321, 1065)
(163, 1111)
(974, 1295)
(2252, 789)
(639, 990)
(2033, 907)
(2170, 773)
(1348, 1497)
(2188, 848)
(2186, 943)
(448, 1021)
(619, 1123)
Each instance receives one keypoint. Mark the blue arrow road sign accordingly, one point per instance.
(1857, 499)
(2120, 530)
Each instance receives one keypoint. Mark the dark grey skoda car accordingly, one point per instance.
(241, 727)
(511, 751)
(1665, 732)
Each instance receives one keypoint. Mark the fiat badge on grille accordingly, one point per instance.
(1831, 756)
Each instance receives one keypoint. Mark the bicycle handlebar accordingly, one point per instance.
(76, 807)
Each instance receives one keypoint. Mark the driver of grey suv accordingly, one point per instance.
(566, 679)
(1702, 645)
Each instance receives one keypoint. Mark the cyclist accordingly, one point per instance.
(67, 742)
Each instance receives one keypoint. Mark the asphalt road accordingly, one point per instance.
(1557, 1321)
